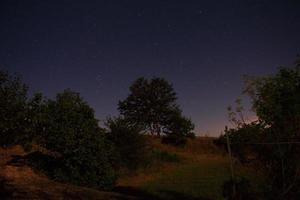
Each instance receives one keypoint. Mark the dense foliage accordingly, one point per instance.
(130, 145)
(71, 130)
(270, 140)
(276, 100)
(151, 104)
(148, 103)
(242, 140)
(13, 103)
(78, 150)
(177, 129)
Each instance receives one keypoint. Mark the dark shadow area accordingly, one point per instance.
(172, 195)
(167, 195)
(134, 192)
(6, 190)
(17, 160)
(38, 161)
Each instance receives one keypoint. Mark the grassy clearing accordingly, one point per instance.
(165, 156)
(200, 174)
(200, 180)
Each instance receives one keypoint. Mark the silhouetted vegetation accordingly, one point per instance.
(66, 127)
(270, 140)
(151, 104)
(130, 145)
(75, 149)
(13, 107)
(71, 130)
(177, 129)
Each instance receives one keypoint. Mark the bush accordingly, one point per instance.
(13, 98)
(178, 128)
(19, 114)
(241, 139)
(65, 126)
(71, 132)
(129, 143)
(276, 102)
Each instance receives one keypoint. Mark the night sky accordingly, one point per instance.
(99, 48)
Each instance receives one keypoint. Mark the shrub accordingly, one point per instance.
(276, 102)
(241, 139)
(129, 143)
(13, 97)
(71, 131)
(19, 114)
(178, 128)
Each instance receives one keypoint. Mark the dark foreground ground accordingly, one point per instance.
(199, 174)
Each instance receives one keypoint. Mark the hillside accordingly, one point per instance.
(19, 181)
(196, 171)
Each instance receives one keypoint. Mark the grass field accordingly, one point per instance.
(199, 180)
(199, 175)
(194, 172)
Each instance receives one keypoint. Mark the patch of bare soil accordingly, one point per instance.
(19, 181)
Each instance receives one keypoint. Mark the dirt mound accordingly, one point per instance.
(19, 181)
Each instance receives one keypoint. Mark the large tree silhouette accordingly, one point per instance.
(152, 104)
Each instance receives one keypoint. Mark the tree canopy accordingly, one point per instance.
(276, 102)
(71, 131)
(148, 103)
(13, 102)
(131, 146)
(152, 105)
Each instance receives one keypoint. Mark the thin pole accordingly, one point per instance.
(231, 165)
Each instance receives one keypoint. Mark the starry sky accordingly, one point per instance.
(99, 48)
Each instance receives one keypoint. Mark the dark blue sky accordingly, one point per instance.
(99, 48)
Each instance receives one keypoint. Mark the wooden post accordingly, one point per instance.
(231, 165)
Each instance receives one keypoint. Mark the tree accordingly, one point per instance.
(33, 127)
(178, 128)
(152, 105)
(149, 103)
(241, 138)
(297, 62)
(276, 101)
(13, 98)
(71, 132)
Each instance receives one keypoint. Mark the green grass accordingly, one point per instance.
(202, 180)
(199, 180)
(165, 156)
(190, 173)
